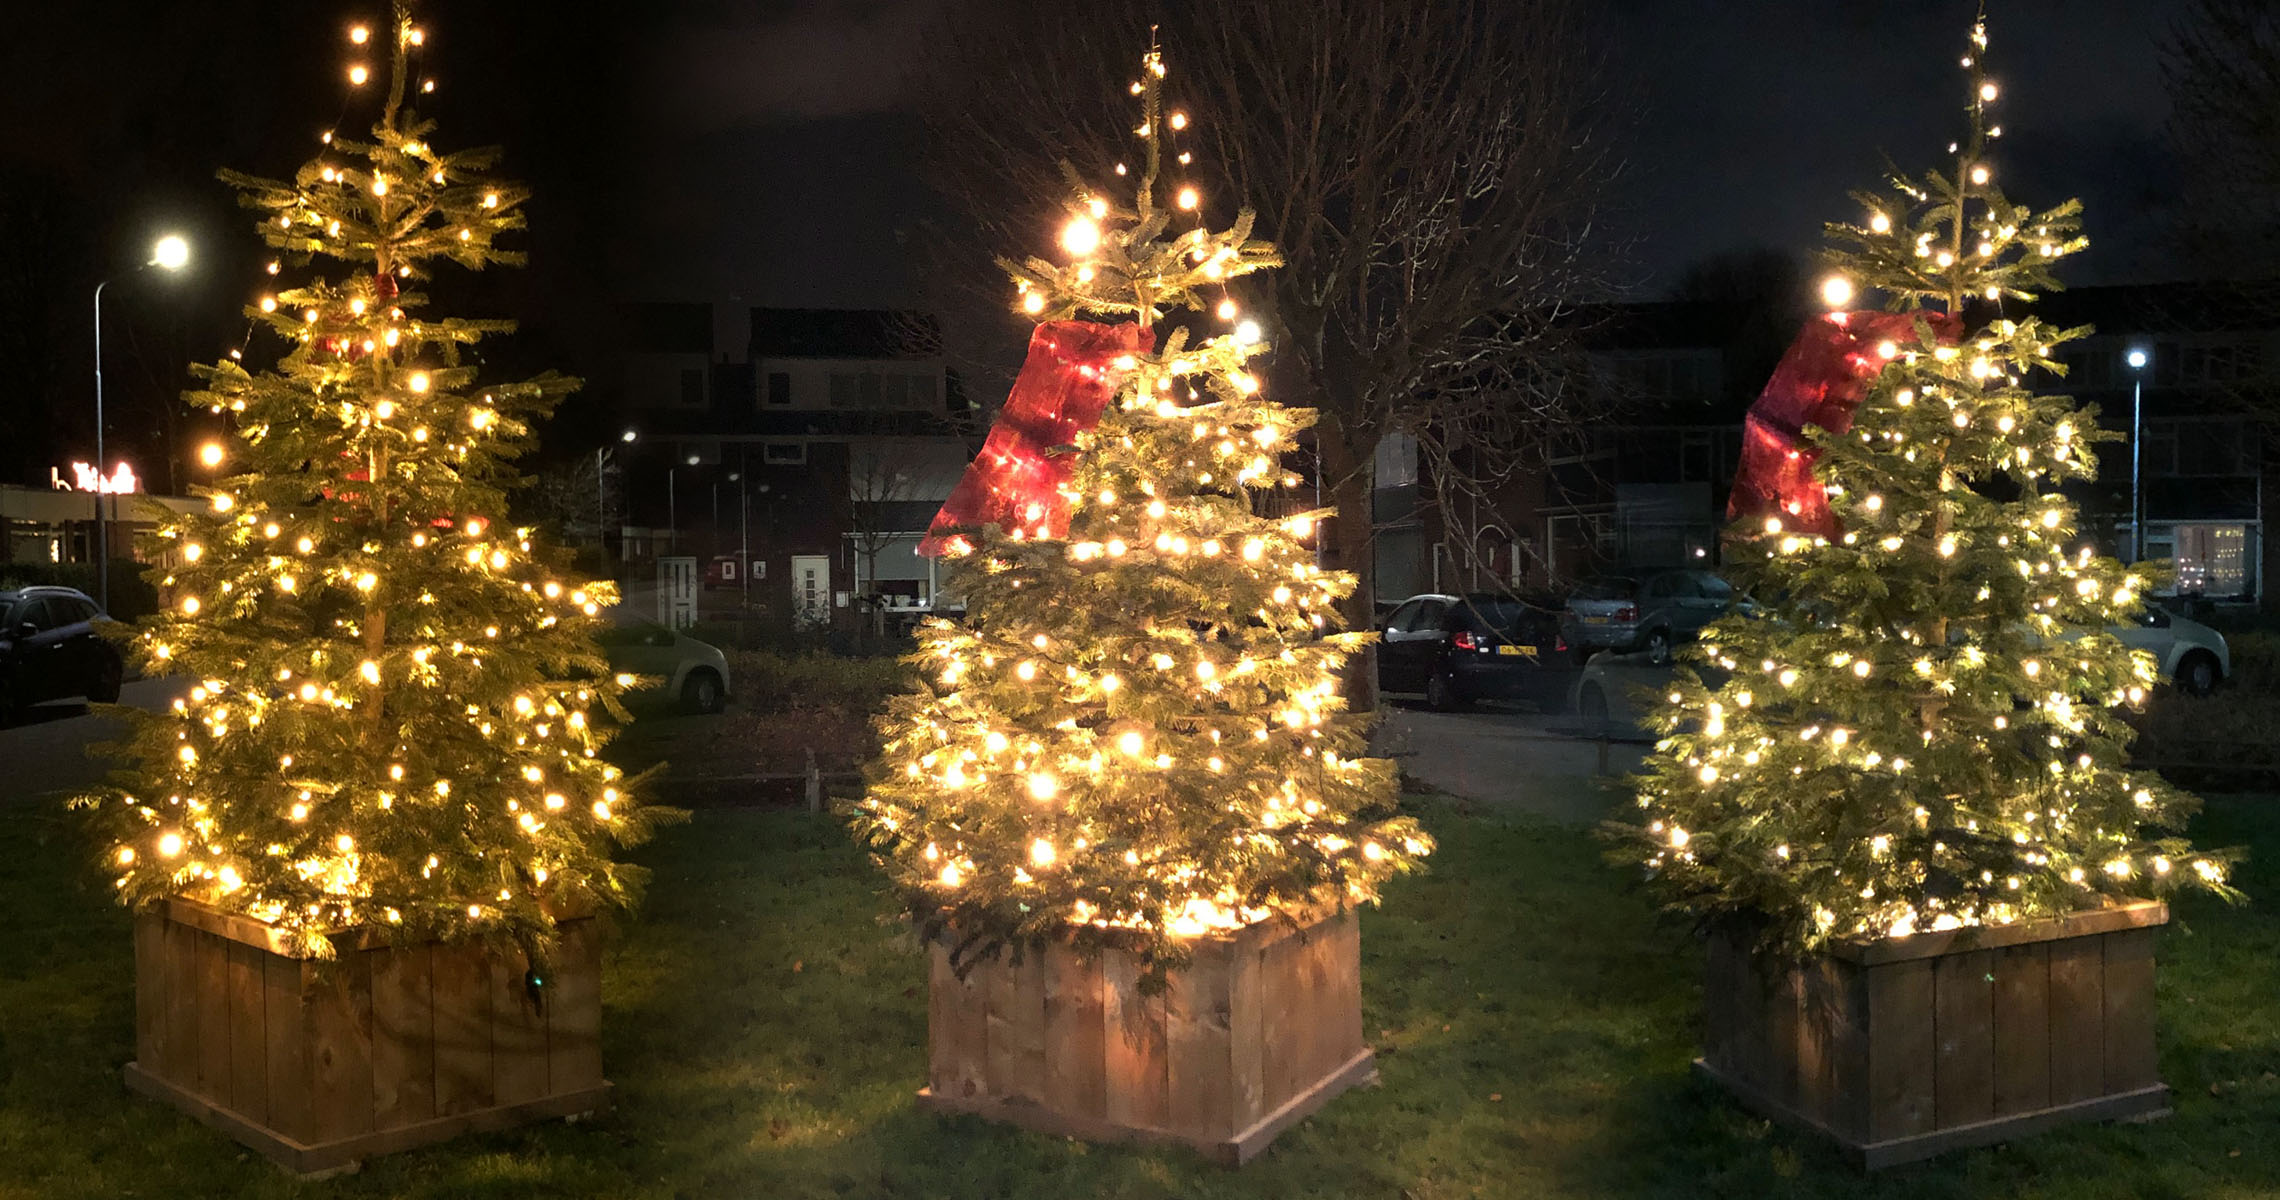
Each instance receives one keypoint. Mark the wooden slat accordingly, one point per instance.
(1345, 1016)
(285, 1011)
(959, 1014)
(403, 1038)
(179, 952)
(1075, 1036)
(2022, 1029)
(340, 1048)
(211, 1070)
(1282, 1021)
(459, 979)
(2130, 1059)
(574, 1009)
(2077, 1019)
(1200, 1067)
(152, 995)
(518, 1034)
(1784, 1033)
(1964, 1019)
(1900, 1049)
(1722, 984)
(1832, 1046)
(249, 1030)
(1246, 1032)
(1015, 1038)
(1137, 1067)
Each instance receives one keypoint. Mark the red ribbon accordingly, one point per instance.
(1820, 381)
(1015, 482)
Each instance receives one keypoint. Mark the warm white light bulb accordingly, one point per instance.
(1836, 291)
(1080, 236)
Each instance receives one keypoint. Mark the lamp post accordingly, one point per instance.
(171, 253)
(2137, 359)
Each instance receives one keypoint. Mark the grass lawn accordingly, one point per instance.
(1534, 1024)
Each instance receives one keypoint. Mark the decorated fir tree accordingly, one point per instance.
(1136, 735)
(1915, 726)
(399, 706)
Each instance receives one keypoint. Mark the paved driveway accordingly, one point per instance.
(1520, 761)
(45, 752)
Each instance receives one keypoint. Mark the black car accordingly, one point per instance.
(1458, 649)
(49, 650)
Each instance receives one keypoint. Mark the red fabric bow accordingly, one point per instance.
(1015, 482)
(1820, 382)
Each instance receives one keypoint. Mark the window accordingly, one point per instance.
(693, 387)
(783, 453)
(1404, 618)
(34, 612)
(779, 387)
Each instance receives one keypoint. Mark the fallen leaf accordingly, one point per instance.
(799, 965)
(1495, 1097)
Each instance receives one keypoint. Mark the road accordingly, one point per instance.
(45, 752)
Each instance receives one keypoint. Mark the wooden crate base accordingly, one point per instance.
(1230, 1152)
(343, 1156)
(1906, 1047)
(2146, 1105)
(317, 1065)
(1262, 1028)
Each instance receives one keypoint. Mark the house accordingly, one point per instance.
(808, 471)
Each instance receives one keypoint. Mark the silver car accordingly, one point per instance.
(1649, 613)
(680, 666)
(2186, 652)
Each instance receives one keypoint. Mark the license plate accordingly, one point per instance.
(1517, 651)
(1591, 620)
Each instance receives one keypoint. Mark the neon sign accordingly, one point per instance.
(85, 478)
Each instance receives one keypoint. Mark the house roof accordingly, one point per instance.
(844, 333)
(831, 424)
(667, 327)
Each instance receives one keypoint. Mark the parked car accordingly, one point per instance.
(1459, 649)
(680, 666)
(49, 650)
(2188, 653)
(1649, 613)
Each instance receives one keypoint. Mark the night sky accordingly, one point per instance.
(761, 153)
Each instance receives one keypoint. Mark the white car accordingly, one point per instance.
(2187, 652)
(682, 667)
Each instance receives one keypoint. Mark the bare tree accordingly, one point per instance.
(581, 498)
(891, 485)
(2222, 66)
(1430, 171)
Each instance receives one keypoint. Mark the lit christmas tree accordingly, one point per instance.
(1136, 736)
(396, 719)
(1917, 729)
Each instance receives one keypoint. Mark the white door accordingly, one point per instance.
(677, 592)
(811, 590)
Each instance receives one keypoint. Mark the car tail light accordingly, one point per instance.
(1629, 612)
(1465, 640)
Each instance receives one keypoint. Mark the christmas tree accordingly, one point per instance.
(1136, 736)
(1915, 726)
(399, 705)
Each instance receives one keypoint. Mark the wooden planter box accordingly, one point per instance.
(319, 1065)
(1264, 1029)
(1904, 1048)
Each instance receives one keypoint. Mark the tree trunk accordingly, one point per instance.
(1346, 543)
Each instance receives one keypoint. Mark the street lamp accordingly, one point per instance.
(171, 253)
(2137, 358)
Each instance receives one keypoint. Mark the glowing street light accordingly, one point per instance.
(171, 253)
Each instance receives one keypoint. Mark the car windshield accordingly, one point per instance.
(1496, 614)
(1607, 589)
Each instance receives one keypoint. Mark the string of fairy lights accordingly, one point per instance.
(399, 707)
